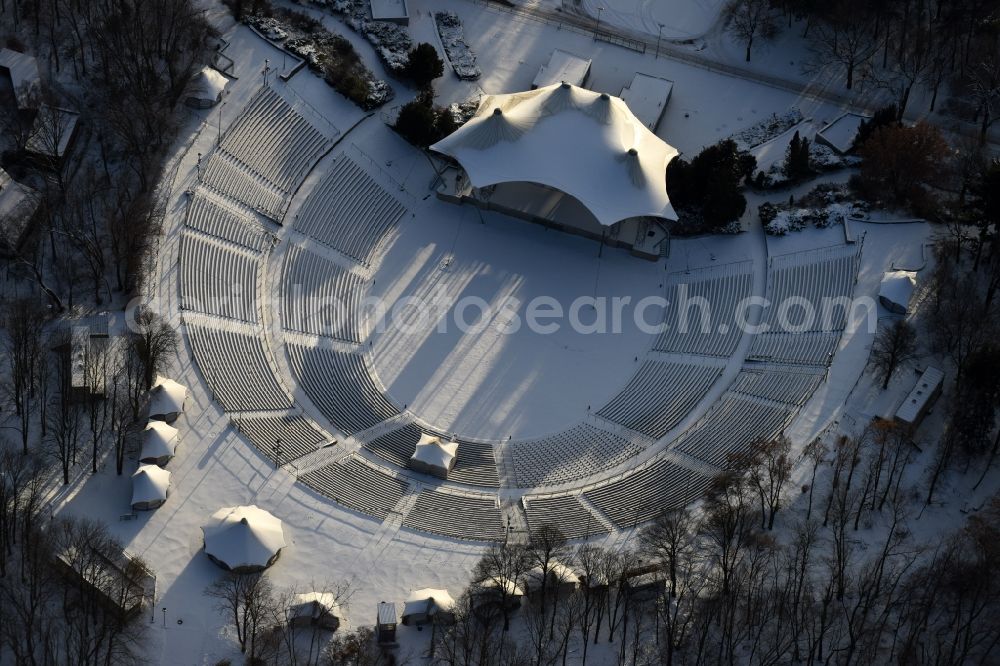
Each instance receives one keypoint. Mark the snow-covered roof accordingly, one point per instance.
(557, 571)
(166, 397)
(53, 130)
(149, 484)
(647, 97)
(427, 601)
(897, 288)
(432, 452)
(315, 604)
(840, 133)
(925, 390)
(209, 84)
(388, 10)
(24, 75)
(243, 536)
(562, 66)
(159, 441)
(15, 199)
(586, 144)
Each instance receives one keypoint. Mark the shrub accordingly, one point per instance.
(423, 65)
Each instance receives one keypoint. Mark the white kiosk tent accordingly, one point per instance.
(559, 578)
(150, 487)
(429, 604)
(896, 289)
(315, 609)
(243, 538)
(585, 144)
(432, 456)
(166, 400)
(159, 442)
(206, 89)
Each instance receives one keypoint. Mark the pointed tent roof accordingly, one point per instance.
(571, 139)
(166, 397)
(897, 288)
(209, 84)
(428, 600)
(314, 604)
(149, 484)
(432, 452)
(159, 440)
(243, 536)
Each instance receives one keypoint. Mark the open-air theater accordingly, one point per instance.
(566, 157)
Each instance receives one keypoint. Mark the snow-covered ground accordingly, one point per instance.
(480, 384)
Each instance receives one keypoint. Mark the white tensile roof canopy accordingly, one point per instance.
(149, 485)
(159, 441)
(243, 537)
(896, 289)
(166, 397)
(426, 603)
(586, 144)
(434, 456)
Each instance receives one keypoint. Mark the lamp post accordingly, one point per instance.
(218, 141)
(658, 32)
(277, 453)
(597, 26)
(266, 69)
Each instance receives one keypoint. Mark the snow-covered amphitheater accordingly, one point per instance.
(595, 433)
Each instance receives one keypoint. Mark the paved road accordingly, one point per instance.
(823, 92)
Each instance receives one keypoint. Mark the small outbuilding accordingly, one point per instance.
(25, 77)
(150, 487)
(166, 400)
(432, 456)
(896, 290)
(563, 67)
(916, 405)
(315, 609)
(559, 578)
(159, 443)
(385, 623)
(206, 89)
(840, 134)
(18, 205)
(491, 591)
(243, 539)
(429, 605)
(647, 97)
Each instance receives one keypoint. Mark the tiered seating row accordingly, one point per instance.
(701, 315)
(792, 388)
(457, 516)
(237, 367)
(645, 494)
(297, 435)
(565, 512)
(795, 348)
(569, 455)
(818, 282)
(659, 396)
(275, 141)
(731, 429)
(349, 211)
(320, 297)
(340, 386)
(235, 180)
(223, 222)
(218, 279)
(357, 486)
(474, 464)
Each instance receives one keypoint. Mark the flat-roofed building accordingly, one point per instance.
(647, 97)
(563, 67)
